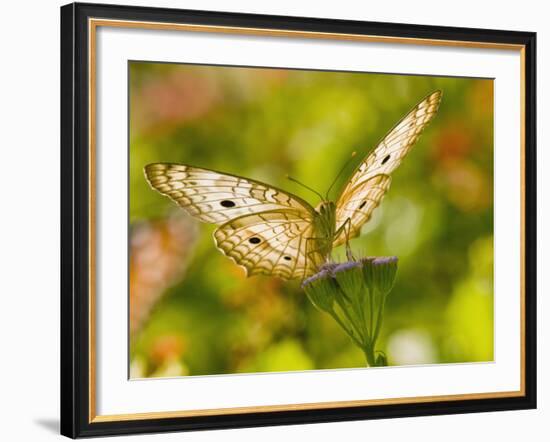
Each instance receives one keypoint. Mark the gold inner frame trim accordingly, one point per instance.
(93, 24)
(306, 406)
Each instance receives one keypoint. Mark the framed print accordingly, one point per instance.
(276, 220)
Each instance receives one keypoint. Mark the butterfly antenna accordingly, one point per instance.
(341, 171)
(303, 185)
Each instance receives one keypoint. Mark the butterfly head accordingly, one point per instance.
(325, 208)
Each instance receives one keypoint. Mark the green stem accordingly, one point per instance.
(346, 329)
(379, 319)
(363, 319)
(371, 315)
(369, 355)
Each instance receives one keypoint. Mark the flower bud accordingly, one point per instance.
(384, 270)
(321, 289)
(368, 276)
(349, 276)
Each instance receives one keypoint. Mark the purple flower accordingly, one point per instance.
(382, 271)
(321, 289)
(354, 293)
(384, 260)
(323, 273)
(349, 276)
(342, 267)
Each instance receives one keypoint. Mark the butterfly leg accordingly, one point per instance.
(348, 247)
(314, 253)
(346, 229)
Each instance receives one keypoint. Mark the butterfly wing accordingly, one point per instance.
(274, 243)
(370, 181)
(262, 228)
(215, 197)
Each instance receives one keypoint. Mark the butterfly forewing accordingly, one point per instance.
(359, 205)
(215, 197)
(370, 181)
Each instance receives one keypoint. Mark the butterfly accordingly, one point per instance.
(270, 231)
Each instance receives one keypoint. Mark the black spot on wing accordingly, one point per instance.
(227, 203)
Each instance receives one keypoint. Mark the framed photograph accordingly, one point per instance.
(275, 220)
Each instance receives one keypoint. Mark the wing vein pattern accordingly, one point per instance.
(371, 180)
(260, 227)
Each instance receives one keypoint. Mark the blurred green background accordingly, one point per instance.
(193, 312)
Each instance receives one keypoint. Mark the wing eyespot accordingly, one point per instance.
(386, 159)
(287, 258)
(254, 240)
(362, 204)
(227, 203)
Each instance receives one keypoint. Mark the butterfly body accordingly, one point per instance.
(324, 227)
(273, 232)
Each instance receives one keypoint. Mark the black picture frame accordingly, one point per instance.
(75, 219)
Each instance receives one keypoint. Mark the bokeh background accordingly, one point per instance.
(192, 310)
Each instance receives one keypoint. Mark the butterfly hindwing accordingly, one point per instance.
(271, 243)
(370, 181)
